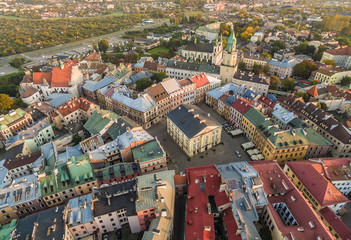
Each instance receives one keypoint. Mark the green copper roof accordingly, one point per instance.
(231, 42)
(17, 114)
(117, 169)
(291, 138)
(6, 230)
(148, 151)
(254, 116)
(98, 120)
(76, 172)
(80, 170)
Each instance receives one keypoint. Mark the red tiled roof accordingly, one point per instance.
(94, 56)
(313, 91)
(184, 82)
(279, 189)
(321, 189)
(110, 92)
(338, 92)
(241, 105)
(102, 69)
(71, 107)
(267, 101)
(29, 92)
(340, 51)
(334, 169)
(335, 222)
(197, 216)
(38, 77)
(230, 224)
(223, 98)
(200, 80)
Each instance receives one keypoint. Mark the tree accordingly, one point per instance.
(95, 47)
(304, 69)
(256, 68)
(303, 95)
(346, 81)
(242, 66)
(76, 139)
(17, 62)
(266, 54)
(344, 41)
(265, 68)
(142, 84)
(329, 62)
(314, 82)
(318, 55)
(274, 82)
(103, 45)
(5, 102)
(158, 77)
(288, 84)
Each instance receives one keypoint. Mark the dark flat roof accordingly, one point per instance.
(123, 195)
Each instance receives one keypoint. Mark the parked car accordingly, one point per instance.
(119, 234)
(238, 153)
(106, 237)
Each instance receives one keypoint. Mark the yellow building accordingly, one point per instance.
(331, 75)
(251, 119)
(325, 198)
(192, 129)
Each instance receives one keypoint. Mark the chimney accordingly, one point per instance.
(208, 208)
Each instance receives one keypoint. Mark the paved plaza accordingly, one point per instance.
(223, 153)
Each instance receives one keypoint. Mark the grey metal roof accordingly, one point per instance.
(199, 47)
(93, 86)
(123, 195)
(45, 219)
(186, 120)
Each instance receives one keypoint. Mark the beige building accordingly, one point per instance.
(250, 60)
(77, 110)
(192, 129)
(330, 74)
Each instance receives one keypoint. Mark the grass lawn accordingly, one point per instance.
(158, 50)
(187, 14)
(115, 14)
(11, 17)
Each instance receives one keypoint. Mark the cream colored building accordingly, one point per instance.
(331, 75)
(192, 129)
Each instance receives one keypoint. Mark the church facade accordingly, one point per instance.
(204, 52)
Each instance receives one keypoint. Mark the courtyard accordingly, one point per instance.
(220, 154)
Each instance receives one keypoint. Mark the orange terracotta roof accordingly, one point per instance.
(200, 80)
(179, 180)
(38, 77)
(73, 106)
(313, 91)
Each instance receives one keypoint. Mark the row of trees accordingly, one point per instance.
(18, 36)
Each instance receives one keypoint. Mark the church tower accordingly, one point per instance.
(229, 64)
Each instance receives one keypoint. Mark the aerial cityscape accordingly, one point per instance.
(175, 120)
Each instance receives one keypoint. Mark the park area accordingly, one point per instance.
(158, 50)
